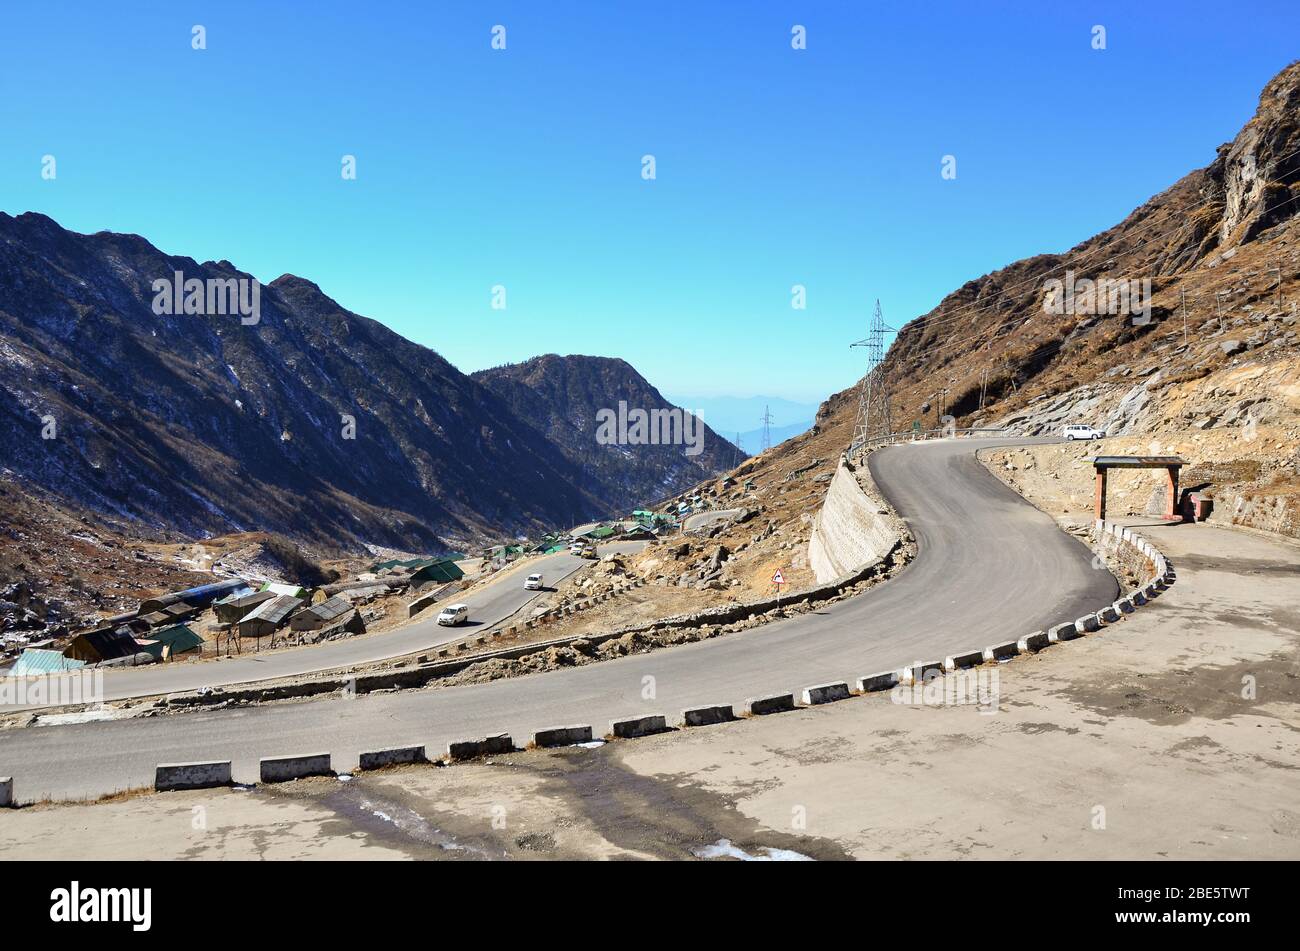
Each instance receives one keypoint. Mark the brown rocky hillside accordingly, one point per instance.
(1223, 389)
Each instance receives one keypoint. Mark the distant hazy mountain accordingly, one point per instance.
(563, 397)
(743, 414)
(314, 421)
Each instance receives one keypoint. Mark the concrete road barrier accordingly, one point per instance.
(1031, 643)
(826, 693)
(1062, 632)
(885, 681)
(562, 736)
(1001, 651)
(639, 726)
(392, 757)
(1109, 614)
(1138, 598)
(1124, 606)
(6, 791)
(1088, 624)
(173, 776)
(920, 672)
(777, 703)
(279, 769)
(707, 716)
(968, 659)
(493, 745)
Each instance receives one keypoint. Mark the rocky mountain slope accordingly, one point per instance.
(1221, 248)
(1219, 348)
(314, 422)
(1220, 252)
(563, 399)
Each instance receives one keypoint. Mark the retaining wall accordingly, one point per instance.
(852, 528)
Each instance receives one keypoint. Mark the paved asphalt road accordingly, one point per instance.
(493, 603)
(705, 519)
(989, 568)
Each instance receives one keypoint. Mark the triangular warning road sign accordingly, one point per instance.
(778, 578)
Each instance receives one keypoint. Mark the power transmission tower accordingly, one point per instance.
(740, 450)
(873, 394)
(767, 428)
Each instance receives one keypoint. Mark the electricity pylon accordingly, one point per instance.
(873, 395)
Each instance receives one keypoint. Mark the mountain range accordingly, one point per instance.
(310, 420)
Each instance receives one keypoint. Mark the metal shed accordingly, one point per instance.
(234, 609)
(320, 615)
(268, 617)
(199, 597)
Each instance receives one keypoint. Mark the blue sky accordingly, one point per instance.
(522, 167)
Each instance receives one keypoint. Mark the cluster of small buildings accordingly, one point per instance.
(169, 626)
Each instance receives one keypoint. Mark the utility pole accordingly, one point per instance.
(940, 403)
(767, 428)
(984, 385)
(873, 395)
(1278, 296)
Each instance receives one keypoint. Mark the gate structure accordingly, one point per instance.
(1171, 465)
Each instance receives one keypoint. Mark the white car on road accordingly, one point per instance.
(454, 614)
(533, 582)
(1079, 431)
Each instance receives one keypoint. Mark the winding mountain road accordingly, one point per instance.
(989, 568)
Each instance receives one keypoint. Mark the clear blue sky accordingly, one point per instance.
(523, 168)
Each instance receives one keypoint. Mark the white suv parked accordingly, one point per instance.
(533, 582)
(1079, 431)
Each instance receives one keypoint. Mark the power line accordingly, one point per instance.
(873, 394)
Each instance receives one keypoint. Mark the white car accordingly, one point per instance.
(533, 583)
(454, 614)
(1079, 431)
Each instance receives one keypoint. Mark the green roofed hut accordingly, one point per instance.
(441, 571)
(171, 641)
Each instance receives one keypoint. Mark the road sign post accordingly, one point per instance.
(778, 579)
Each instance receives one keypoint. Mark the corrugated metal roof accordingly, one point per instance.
(110, 645)
(235, 595)
(201, 596)
(251, 600)
(273, 611)
(36, 661)
(329, 610)
(287, 590)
